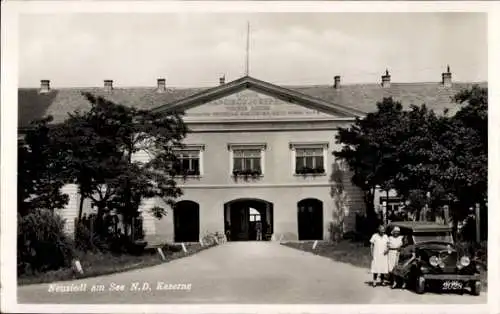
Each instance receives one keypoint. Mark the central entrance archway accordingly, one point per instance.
(244, 217)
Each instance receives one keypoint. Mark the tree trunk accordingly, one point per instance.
(371, 216)
(370, 205)
(80, 210)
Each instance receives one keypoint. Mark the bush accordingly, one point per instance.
(41, 242)
(86, 240)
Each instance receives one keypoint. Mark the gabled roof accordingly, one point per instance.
(348, 99)
(247, 82)
(60, 102)
(363, 97)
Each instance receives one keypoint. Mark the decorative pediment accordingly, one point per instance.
(248, 104)
(250, 99)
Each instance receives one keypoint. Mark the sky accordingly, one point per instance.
(195, 49)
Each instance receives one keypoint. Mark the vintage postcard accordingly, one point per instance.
(248, 157)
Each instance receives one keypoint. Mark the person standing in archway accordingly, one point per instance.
(228, 231)
(258, 229)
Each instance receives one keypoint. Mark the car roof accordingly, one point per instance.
(421, 226)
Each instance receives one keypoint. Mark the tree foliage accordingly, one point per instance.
(99, 147)
(418, 152)
(95, 150)
(39, 171)
(371, 148)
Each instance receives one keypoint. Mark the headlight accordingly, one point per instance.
(465, 261)
(434, 261)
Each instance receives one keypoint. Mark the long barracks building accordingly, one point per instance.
(256, 151)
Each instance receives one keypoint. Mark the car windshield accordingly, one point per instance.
(432, 236)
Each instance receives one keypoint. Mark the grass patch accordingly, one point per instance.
(97, 264)
(357, 254)
(353, 253)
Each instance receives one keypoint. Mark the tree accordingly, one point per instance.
(471, 123)
(423, 156)
(467, 137)
(446, 156)
(99, 146)
(39, 177)
(370, 148)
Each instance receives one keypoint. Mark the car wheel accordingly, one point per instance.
(476, 288)
(420, 285)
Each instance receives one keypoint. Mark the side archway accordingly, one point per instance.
(186, 221)
(310, 219)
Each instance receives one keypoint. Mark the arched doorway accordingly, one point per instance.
(310, 219)
(243, 217)
(186, 221)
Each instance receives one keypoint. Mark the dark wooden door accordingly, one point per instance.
(310, 220)
(186, 222)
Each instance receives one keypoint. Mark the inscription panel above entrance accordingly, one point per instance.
(251, 105)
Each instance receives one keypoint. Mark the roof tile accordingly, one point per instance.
(363, 97)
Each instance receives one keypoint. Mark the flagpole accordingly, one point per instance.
(247, 68)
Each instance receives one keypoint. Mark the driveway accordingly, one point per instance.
(238, 272)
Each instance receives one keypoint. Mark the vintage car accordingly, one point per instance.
(429, 258)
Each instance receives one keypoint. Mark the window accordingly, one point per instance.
(309, 158)
(247, 159)
(254, 214)
(189, 160)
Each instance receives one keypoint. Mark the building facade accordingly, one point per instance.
(258, 155)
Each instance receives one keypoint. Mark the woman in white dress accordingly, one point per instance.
(394, 244)
(380, 265)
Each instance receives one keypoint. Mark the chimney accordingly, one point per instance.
(446, 77)
(108, 85)
(386, 79)
(222, 80)
(44, 86)
(336, 80)
(161, 85)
